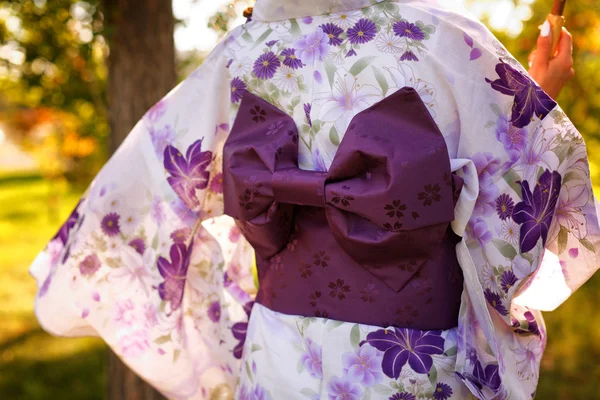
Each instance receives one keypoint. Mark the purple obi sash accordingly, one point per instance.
(369, 241)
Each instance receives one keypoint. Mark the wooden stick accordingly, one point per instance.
(557, 21)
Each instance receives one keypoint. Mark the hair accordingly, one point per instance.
(248, 12)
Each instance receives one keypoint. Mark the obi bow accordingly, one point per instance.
(388, 195)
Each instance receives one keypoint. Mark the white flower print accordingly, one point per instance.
(573, 197)
(522, 267)
(487, 275)
(114, 203)
(286, 80)
(346, 99)
(403, 76)
(135, 344)
(240, 67)
(281, 27)
(528, 359)
(124, 313)
(129, 221)
(135, 273)
(346, 19)
(510, 231)
(538, 153)
(336, 57)
(389, 43)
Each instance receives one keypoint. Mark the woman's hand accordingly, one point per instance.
(552, 73)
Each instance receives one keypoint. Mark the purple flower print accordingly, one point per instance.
(486, 166)
(333, 32)
(478, 230)
(512, 138)
(340, 389)
(362, 32)
(487, 377)
(442, 391)
(239, 331)
(214, 311)
(157, 111)
(318, 77)
(160, 139)
(156, 210)
(402, 345)
(363, 366)
(63, 232)
(89, 265)
(188, 173)
(138, 245)
(507, 280)
(313, 359)
(234, 234)
(174, 274)
(403, 396)
(259, 393)
(266, 65)
(535, 212)
(313, 47)
(408, 30)
(504, 207)
(307, 109)
(181, 235)
(351, 53)
(291, 60)
(532, 327)
(409, 56)
(238, 89)
(216, 185)
(530, 99)
(495, 301)
(318, 162)
(134, 345)
(271, 43)
(110, 224)
(472, 355)
(486, 200)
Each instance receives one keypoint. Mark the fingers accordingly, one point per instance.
(544, 48)
(531, 58)
(565, 49)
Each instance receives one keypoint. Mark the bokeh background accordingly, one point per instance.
(55, 134)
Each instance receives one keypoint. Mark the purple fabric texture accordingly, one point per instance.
(367, 241)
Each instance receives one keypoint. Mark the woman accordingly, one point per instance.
(414, 200)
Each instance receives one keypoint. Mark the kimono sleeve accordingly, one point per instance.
(134, 263)
(526, 214)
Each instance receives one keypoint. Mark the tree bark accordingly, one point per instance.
(141, 72)
(141, 62)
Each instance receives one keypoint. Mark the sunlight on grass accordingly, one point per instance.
(33, 364)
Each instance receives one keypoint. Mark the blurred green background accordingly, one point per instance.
(54, 135)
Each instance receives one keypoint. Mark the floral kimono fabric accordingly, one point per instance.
(149, 261)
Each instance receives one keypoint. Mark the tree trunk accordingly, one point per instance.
(141, 72)
(141, 62)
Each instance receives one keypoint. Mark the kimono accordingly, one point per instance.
(395, 143)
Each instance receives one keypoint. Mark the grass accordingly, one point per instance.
(35, 365)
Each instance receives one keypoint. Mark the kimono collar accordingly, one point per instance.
(274, 10)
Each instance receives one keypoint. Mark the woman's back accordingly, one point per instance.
(399, 176)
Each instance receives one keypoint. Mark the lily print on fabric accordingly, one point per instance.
(148, 262)
(369, 362)
(330, 47)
